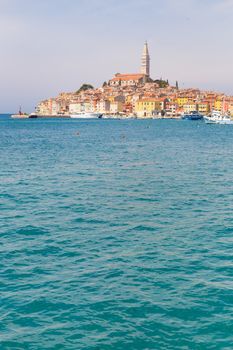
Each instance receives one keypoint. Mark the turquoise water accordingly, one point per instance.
(116, 235)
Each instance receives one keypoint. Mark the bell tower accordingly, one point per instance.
(145, 62)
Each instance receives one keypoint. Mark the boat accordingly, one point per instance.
(194, 115)
(86, 115)
(33, 115)
(217, 117)
(20, 115)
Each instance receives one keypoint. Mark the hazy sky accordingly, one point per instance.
(48, 46)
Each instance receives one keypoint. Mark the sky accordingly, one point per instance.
(53, 46)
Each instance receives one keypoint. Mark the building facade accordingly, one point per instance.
(148, 107)
(128, 79)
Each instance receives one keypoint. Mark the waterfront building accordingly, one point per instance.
(171, 109)
(148, 107)
(145, 62)
(42, 108)
(218, 105)
(75, 107)
(48, 107)
(203, 108)
(116, 107)
(128, 108)
(54, 107)
(221, 104)
(182, 101)
(103, 106)
(64, 100)
(87, 106)
(189, 107)
(93, 104)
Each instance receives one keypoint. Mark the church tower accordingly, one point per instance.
(145, 63)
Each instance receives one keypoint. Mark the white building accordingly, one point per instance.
(55, 108)
(75, 107)
(116, 107)
(103, 106)
(189, 107)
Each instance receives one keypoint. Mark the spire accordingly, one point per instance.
(145, 63)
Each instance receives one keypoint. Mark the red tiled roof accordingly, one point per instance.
(128, 77)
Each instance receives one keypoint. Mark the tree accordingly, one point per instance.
(84, 87)
(104, 84)
(177, 85)
(162, 83)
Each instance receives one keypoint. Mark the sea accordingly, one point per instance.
(115, 235)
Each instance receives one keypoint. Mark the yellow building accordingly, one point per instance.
(203, 108)
(128, 99)
(111, 99)
(148, 107)
(189, 107)
(218, 105)
(181, 101)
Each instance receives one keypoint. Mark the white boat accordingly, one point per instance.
(86, 115)
(217, 117)
(20, 115)
(110, 116)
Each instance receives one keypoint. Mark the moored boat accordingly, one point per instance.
(217, 117)
(20, 115)
(194, 115)
(33, 115)
(86, 116)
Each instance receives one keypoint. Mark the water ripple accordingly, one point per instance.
(111, 242)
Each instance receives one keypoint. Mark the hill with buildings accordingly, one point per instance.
(136, 94)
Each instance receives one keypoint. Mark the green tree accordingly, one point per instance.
(177, 85)
(162, 83)
(84, 87)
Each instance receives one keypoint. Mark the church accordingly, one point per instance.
(136, 78)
